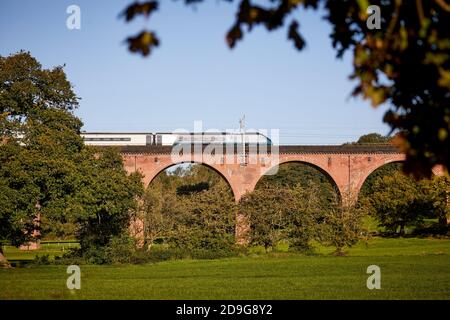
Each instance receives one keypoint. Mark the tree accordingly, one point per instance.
(373, 138)
(17, 196)
(39, 140)
(150, 217)
(265, 211)
(306, 217)
(368, 188)
(300, 176)
(191, 207)
(434, 196)
(299, 216)
(343, 226)
(47, 173)
(395, 202)
(103, 198)
(277, 214)
(25, 87)
(404, 63)
(204, 220)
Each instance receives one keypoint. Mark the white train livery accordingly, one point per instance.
(172, 138)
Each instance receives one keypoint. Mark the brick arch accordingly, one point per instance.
(167, 164)
(316, 165)
(437, 170)
(372, 169)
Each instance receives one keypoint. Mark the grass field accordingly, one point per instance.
(410, 269)
(51, 248)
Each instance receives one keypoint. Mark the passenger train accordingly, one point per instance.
(172, 138)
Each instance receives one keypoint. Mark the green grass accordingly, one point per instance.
(52, 248)
(410, 269)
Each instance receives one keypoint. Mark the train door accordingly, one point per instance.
(149, 139)
(158, 139)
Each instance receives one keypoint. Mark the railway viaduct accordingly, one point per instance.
(347, 166)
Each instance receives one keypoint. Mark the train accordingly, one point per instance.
(173, 138)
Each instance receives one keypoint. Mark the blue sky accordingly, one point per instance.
(193, 75)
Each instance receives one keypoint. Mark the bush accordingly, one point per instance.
(42, 260)
(157, 255)
(72, 257)
(120, 249)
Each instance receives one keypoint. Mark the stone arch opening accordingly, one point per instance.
(301, 172)
(372, 175)
(386, 168)
(220, 174)
(184, 198)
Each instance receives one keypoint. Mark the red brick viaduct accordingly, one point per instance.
(347, 167)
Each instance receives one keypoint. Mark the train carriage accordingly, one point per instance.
(172, 138)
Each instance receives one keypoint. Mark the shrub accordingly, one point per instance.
(42, 260)
(120, 249)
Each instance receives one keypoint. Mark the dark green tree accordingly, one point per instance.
(204, 220)
(18, 199)
(342, 227)
(434, 195)
(306, 216)
(266, 211)
(103, 199)
(47, 175)
(368, 187)
(373, 138)
(40, 138)
(397, 203)
(300, 175)
(149, 221)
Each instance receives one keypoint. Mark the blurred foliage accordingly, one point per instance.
(404, 64)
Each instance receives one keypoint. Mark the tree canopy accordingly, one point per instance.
(373, 138)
